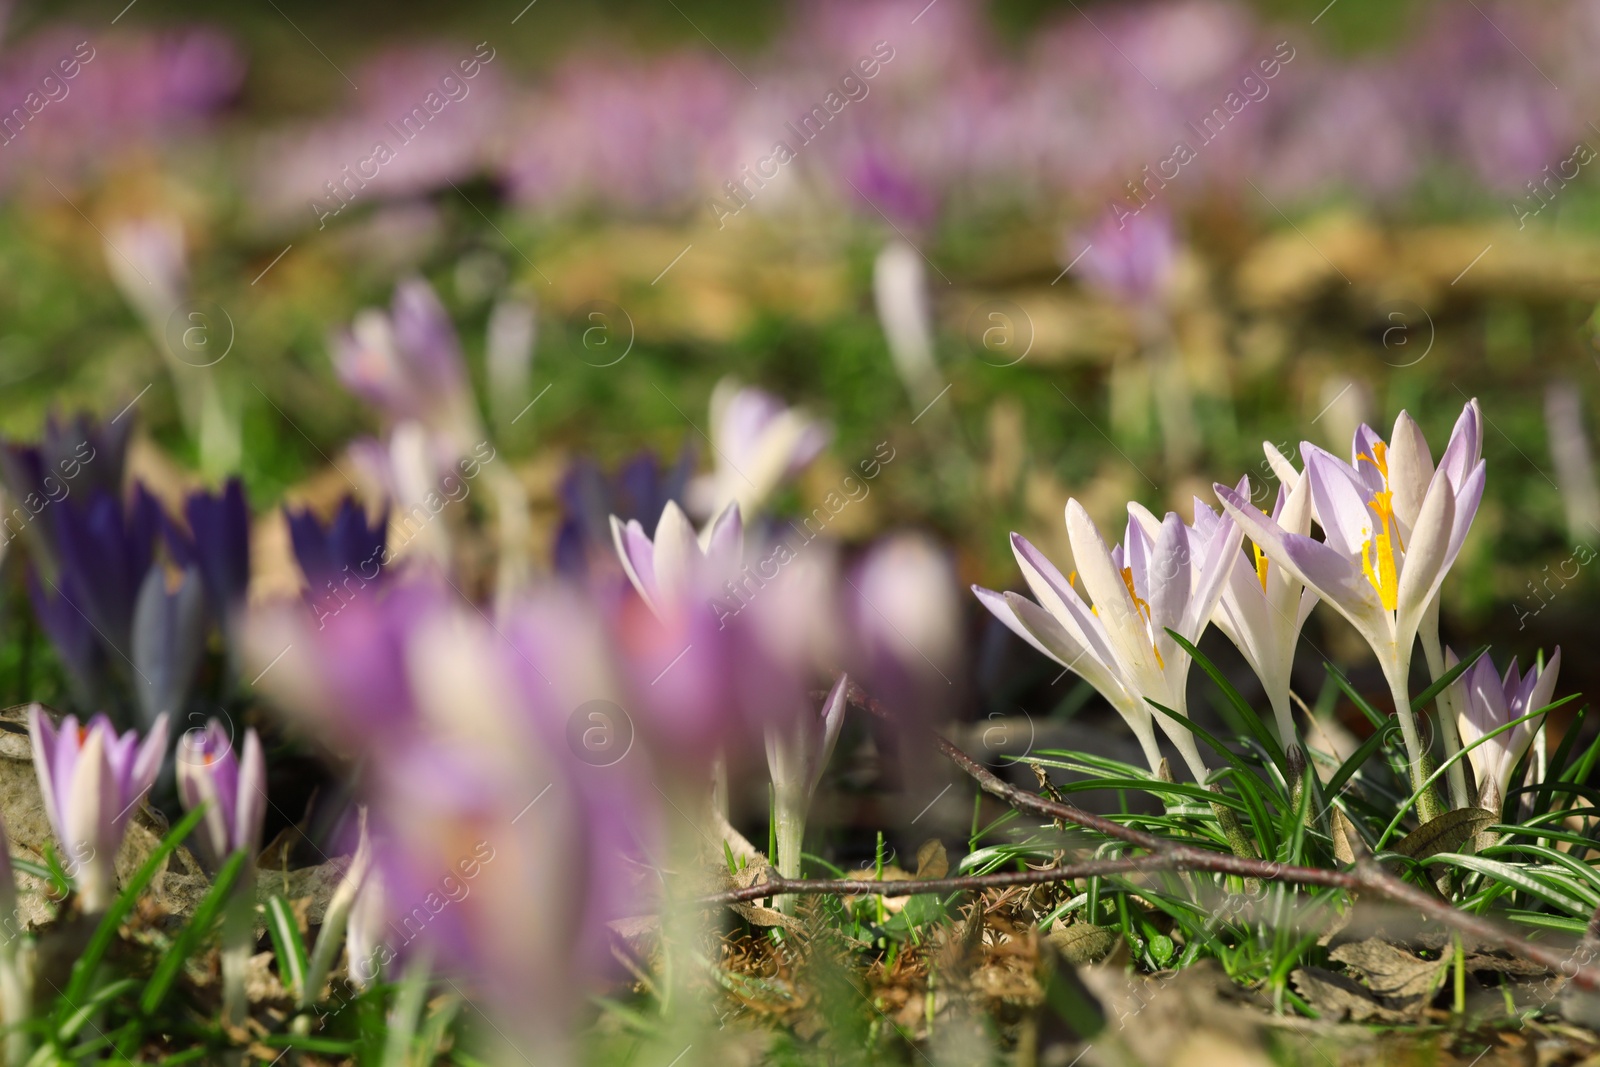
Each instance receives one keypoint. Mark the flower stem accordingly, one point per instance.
(1456, 776)
(1428, 806)
(790, 817)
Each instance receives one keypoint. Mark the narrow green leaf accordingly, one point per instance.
(82, 1013)
(289, 946)
(1247, 714)
(1377, 718)
(194, 932)
(1513, 876)
(83, 970)
(1422, 699)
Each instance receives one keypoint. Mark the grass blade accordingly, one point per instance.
(188, 941)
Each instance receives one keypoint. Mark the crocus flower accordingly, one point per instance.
(91, 778)
(669, 567)
(1488, 700)
(1391, 532)
(234, 792)
(346, 550)
(1130, 257)
(55, 606)
(74, 455)
(219, 544)
(904, 605)
(758, 442)
(168, 637)
(108, 547)
(796, 757)
(211, 772)
(900, 289)
(408, 363)
(1164, 575)
(639, 490)
(1264, 606)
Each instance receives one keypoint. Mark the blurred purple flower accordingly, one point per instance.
(759, 442)
(1488, 700)
(168, 637)
(346, 548)
(218, 542)
(108, 548)
(408, 362)
(1132, 258)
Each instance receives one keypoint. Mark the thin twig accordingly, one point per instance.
(1366, 875)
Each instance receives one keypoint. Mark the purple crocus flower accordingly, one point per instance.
(347, 547)
(109, 548)
(639, 491)
(218, 543)
(91, 778)
(71, 635)
(74, 454)
(211, 772)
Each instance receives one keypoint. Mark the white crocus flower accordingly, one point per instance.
(1487, 701)
(1165, 575)
(1263, 606)
(677, 561)
(1378, 570)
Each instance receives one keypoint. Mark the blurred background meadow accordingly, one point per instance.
(1028, 250)
(1101, 251)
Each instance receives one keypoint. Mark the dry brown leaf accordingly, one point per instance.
(1444, 833)
(1337, 997)
(932, 859)
(1390, 972)
(1081, 943)
(762, 916)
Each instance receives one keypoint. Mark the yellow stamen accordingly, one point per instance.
(1377, 555)
(1379, 459)
(1143, 608)
(1261, 566)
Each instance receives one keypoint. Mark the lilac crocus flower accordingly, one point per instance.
(233, 789)
(91, 778)
(797, 754)
(675, 563)
(1132, 257)
(1488, 700)
(759, 442)
(639, 491)
(408, 363)
(211, 772)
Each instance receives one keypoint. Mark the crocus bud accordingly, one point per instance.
(210, 772)
(907, 618)
(91, 778)
(1491, 700)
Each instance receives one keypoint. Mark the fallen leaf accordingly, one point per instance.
(1081, 943)
(932, 859)
(1389, 971)
(1444, 833)
(761, 916)
(1337, 997)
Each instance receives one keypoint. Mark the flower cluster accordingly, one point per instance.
(1392, 524)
